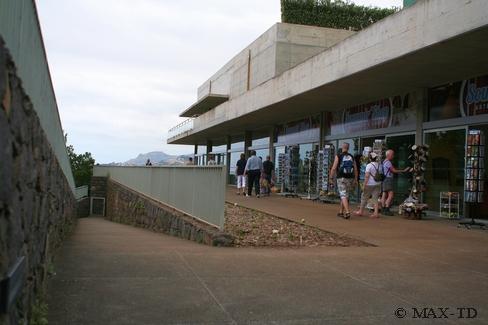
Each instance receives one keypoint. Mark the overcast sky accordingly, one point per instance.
(123, 70)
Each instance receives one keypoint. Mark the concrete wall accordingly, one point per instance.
(127, 206)
(37, 205)
(278, 49)
(19, 27)
(431, 42)
(195, 190)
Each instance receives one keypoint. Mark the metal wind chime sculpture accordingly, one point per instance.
(413, 207)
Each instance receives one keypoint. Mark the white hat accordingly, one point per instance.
(374, 155)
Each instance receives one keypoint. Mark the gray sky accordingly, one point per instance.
(123, 72)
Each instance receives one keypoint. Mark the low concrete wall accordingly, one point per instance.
(127, 206)
(198, 191)
(37, 205)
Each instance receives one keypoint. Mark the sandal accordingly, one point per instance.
(347, 215)
(358, 214)
(340, 215)
(374, 216)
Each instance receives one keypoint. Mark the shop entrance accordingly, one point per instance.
(399, 144)
(445, 166)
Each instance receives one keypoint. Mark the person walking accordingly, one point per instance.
(253, 169)
(241, 178)
(148, 162)
(268, 170)
(347, 175)
(372, 185)
(388, 183)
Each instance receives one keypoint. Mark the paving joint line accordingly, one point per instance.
(233, 321)
(367, 284)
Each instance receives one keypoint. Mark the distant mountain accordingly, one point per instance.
(157, 158)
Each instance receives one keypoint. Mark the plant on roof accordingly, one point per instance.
(337, 14)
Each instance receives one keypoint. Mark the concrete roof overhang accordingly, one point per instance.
(296, 94)
(205, 104)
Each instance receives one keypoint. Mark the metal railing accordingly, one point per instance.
(19, 28)
(185, 126)
(196, 190)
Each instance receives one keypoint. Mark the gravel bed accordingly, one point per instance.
(259, 229)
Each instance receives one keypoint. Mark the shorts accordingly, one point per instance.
(370, 191)
(388, 184)
(345, 186)
(241, 181)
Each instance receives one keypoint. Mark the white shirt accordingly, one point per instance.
(372, 169)
(254, 163)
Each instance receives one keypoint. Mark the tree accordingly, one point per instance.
(81, 166)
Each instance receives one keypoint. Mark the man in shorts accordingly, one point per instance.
(388, 183)
(347, 175)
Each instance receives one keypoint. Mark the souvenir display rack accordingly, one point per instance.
(288, 168)
(475, 173)
(325, 160)
(449, 205)
(413, 207)
(310, 170)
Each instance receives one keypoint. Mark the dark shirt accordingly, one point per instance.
(241, 165)
(268, 167)
(341, 173)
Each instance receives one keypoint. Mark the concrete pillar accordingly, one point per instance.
(247, 142)
(209, 146)
(227, 158)
(195, 153)
(272, 136)
(421, 105)
(323, 130)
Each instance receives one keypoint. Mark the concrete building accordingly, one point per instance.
(418, 76)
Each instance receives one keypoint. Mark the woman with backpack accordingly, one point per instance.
(372, 185)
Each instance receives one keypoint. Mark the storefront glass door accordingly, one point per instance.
(445, 166)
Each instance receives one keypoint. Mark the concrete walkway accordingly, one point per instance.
(109, 273)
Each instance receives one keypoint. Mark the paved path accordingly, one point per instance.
(109, 273)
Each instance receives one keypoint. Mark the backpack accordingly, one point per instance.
(346, 166)
(380, 175)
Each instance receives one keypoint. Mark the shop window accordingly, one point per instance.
(444, 102)
(218, 149)
(237, 146)
(300, 131)
(201, 150)
(262, 153)
(445, 167)
(462, 98)
(260, 142)
(380, 114)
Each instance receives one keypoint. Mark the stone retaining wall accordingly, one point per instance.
(130, 207)
(37, 206)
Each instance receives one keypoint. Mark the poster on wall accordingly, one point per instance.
(384, 113)
(374, 115)
(474, 96)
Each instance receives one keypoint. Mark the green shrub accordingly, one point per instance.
(333, 14)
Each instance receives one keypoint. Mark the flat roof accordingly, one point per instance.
(428, 44)
(205, 104)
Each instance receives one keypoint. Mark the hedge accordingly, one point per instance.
(333, 14)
